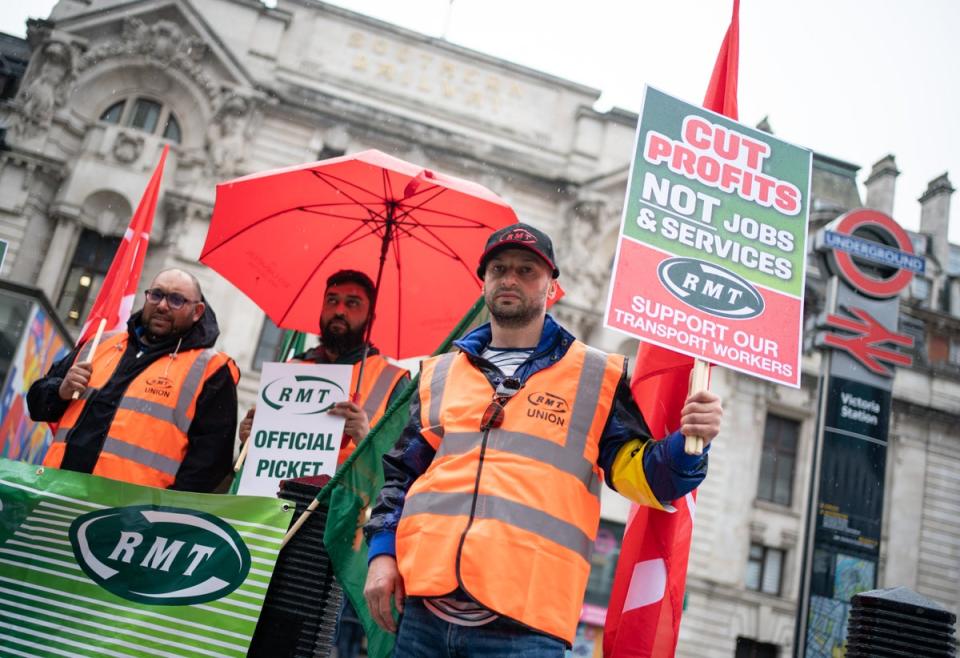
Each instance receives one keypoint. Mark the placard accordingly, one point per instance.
(293, 435)
(712, 251)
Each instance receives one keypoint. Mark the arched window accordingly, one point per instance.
(172, 131)
(144, 114)
(112, 113)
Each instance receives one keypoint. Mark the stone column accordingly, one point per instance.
(935, 215)
(62, 244)
(935, 222)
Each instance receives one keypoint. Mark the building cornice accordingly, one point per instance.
(37, 161)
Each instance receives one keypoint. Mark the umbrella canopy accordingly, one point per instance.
(278, 235)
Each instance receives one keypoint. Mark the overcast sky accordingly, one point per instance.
(851, 79)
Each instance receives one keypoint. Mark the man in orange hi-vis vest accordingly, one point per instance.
(344, 316)
(156, 406)
(483, 531)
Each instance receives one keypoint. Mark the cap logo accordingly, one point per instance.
(519, 235)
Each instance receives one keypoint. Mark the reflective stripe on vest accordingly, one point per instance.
(84, 352)
(381, 390)
(516, 514)
(438, 382)
(141, 456)
(569, 457)
(176, 415)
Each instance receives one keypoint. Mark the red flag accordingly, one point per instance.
(722, 91)
(115, 299)
(646, 601)
(558, 293)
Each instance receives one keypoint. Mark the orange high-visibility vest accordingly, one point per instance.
(147, 439)
(380, 377)
(510, 515)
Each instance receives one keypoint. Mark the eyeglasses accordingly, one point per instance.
(174, 299)
(495, 413)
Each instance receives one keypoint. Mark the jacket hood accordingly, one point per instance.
(201, 335)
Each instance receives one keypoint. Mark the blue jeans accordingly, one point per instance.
(424, 635)
(349, 633)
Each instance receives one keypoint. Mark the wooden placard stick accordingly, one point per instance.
(699, 381)
(300, 521)
(93, 348)
(243, 455)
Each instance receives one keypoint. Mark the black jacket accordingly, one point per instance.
(211, 434)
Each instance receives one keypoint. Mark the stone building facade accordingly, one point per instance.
(234, 87)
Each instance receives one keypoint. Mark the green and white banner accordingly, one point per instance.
(96, 567)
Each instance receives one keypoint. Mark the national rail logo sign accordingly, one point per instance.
(160, 555)
(874, 256)
(712, 251)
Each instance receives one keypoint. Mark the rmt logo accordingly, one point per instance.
(549, 407)
(519, 235)
(302, 395)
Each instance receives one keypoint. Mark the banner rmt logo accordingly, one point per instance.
(160, 555)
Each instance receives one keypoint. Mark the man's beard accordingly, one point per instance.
(519, 314)
(342, 342)
(172, 332)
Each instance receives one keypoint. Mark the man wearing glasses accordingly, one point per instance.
(482, 533)
(157, 405)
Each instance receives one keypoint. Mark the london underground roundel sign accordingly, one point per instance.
(893, 250)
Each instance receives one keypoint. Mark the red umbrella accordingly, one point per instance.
(278, 235)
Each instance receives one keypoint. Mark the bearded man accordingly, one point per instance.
(344, 317)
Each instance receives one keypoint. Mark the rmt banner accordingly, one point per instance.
(95, 567)
(712, 251)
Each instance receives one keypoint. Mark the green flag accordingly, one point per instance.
(353, 490)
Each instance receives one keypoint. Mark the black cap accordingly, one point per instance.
(519, 236)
